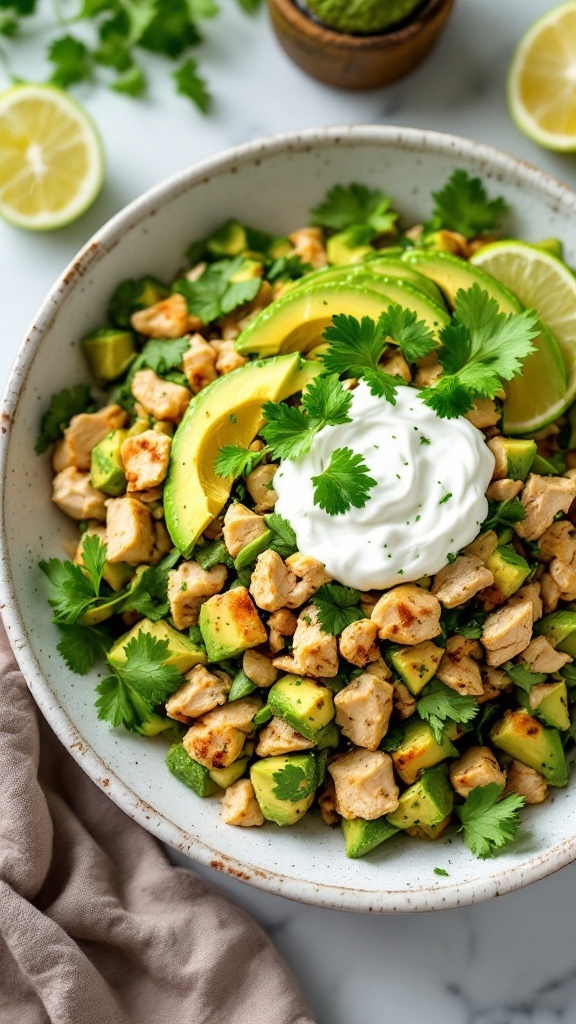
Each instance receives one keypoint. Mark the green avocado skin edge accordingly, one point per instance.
(362, 17)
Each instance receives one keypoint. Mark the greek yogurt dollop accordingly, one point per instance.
(429, 501)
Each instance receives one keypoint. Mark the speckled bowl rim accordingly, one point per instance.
(329, 895)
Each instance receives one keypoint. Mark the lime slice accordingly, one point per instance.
(541, 93)
(51, 161)
(542, 282)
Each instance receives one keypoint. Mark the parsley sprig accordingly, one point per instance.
(489, 823)
(440, 705)
(344, 483)
(337, 607)
(463, 205)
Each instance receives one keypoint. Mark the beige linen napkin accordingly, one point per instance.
(96, 927)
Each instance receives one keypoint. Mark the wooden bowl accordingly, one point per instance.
(357, 62)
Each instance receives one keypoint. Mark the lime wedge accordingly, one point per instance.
(51, 162)
(544, 283)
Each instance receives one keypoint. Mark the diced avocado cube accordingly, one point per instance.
(430, 832)
(241, 686)
(328, 737)
(509, 569)
(248, 270)
(117, 574)
(415, 665)
(106, 466)
(230, 624)
(224, 777)
(250, 553)
(304, 704)
(505, 534)
(544, 467)
(559, 628)
(281, 246)
(427, 802)
(189, 771)
(361, 836)
(419, 750)
(285, 786)
(155, 724)
(350, 245)
(519, 456)
(529, 741)
(229, 240)
(109, 352)
(549, 701)
(182, 652)
(149, 291)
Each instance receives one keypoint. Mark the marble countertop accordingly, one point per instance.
(510, 961)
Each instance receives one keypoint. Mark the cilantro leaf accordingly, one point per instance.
(82, 646)
(70, 593)
(215, 553)
(346, 206)
(161, 355)
(440, 704)
(189, 83)
(288, 268)
(355, 344)
(344, 482)
(148, 595)
(337, 607)
(284, 542)
(71, 61)
(382, 385)
(412, 336)
(487, 822)
(392, 740)
(129, 696)
(131, 82)
(523, 677)
(215, 292)
(463, 206)
(233, 460)
(326, 401)
(130, 295)
(94, 556)
(171, 31)
(287, 430)
(473, 628)
(504, 513)
(291, 783)
(63, 406)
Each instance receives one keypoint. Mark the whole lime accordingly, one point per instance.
(362, 17)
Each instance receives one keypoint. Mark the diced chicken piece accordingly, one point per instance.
(162, 542)
(540, 656)
(199, 363)
(240, 806)
(272, 582)
(507, 632)
(394, 363)
(74, 494)
(130, 528)
(277, 737)
(457, 583)
(327, 803)
(503, 490)
(497, 446)
(358, 642)
(458, 668)
(564, 577)
(404, 702)
(284, 621)
(311, 575)
(365, 784)
(145, 458)
(241, 527)
(166, 319)
(484, 414)
(259, 668)
(559, 541)
(407, 614)
(83, 433)
(314, 651)
(217, 738)
(495, 678)
(309, 246)
(550, 593)
(484, 545)
(526, 782)
(260, 489)
(227, 358)
(543, 497)
(488, 693)
(477, 767)
(160, 398)
(379, 668)
(428, 371)
(530, 592)
(188, 586)
(276, 641)
(203, 690)
(363, 710)
(451, 241)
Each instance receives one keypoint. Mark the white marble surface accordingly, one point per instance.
(511, 961)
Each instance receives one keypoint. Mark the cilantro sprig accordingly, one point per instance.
(489, 823)
(291, 783)
(440, 705)
(523, 677)
(337, 607)
(503, 513)
(63, 406)
(353, 205)
(289, 431)
(233, 461)
(463, 205)
(218, 290)
(73, 589)
(345, 482)
(129, 695)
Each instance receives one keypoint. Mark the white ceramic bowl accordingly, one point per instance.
(271, 184)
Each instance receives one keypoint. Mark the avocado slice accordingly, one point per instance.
(427, 802)
(535, 745)
(230, 624)
(416, 665)
(285, 786)
(559, 628)
(182, 652)
(451, 274)
(228, 411)
(393, 266)
(109, 352)
(509, 569)
(304, 704)
(519, 454)
(549, 701)
(350, 245)
(190, 772)
(224, 777)
(419, 750)
(361, 836)
(106, 466)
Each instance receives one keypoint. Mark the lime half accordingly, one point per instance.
(51, 162)
(544, 283)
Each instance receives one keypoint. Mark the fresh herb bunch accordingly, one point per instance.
(123, 31)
